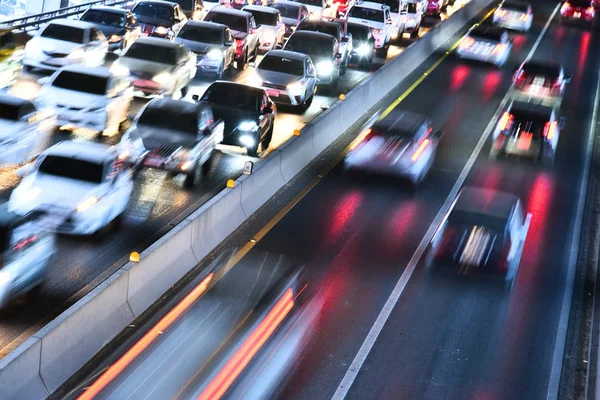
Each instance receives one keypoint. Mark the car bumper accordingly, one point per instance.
(280, 96)
(143, 87)
(168, 164)
(49, 63)
(380, 42)
(267, 46)
(582, 18)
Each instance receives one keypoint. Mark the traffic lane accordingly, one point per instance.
(462, 340)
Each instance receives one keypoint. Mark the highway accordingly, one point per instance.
(361, 237)
(158, 204)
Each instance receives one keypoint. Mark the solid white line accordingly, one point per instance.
(384, 314)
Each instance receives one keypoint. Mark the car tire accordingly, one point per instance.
(190, 179)
(415, 34)
(240, 63)
(451, 2)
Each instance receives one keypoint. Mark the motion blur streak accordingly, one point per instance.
(491, 83)
(223, 380)
(145, 341)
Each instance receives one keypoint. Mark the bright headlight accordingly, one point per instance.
(76, 54)
(247, 140)
(363, 49)
(248, 126)
(161, 30)
(214, 54)
(87, 204)
(114, 38)
(4, 278)
(295, 89)
(325, 68)
(119, 70)
(162, 78)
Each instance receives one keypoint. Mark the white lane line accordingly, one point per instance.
(384, 314)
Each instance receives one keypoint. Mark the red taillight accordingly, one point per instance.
(499, 48)
(505, 120)
(420, 150)
(590, 10)
(501, 13)
(467, 43)
(550, 130)
(524, 17)
(363, 137)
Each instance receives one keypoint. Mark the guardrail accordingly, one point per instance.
(32, 22)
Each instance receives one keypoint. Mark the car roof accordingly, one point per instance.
(175, 107)
(372, 5)
(158, 42)
(164, 3)
(233, 85)
(101, 72)
(230, 11)
(265, 9)
(72, 23)
(289, 3)
(489, 32)
(542, 67)
(206, 24)
(312, 35)
(531, 110)
(401, 120)
(7, 99)
(292, 55)
(109, 9)
(486, 203)
(88, 151)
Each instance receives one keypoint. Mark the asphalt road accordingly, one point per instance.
(157, 204)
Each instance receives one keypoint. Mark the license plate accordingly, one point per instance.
(153, 162)
(577, 15)
(273, 93)
(139, 83)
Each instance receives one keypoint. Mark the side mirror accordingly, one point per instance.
(195, 97)
(24, 170)
(338, 55)
(278, 46)
(254, 30)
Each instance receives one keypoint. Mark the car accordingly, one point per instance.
(173, 135)
(323, 50)
(292, 13)
(272, 26)
(289, 78)
(363, 45)
(411, 17)
(541, 82)
(487, 44)
(87, 97)
(378, 18)
(193, 9)
(481, 237)
(335, 29)
(527, 130)
(248, 113)
(435, 7)
(514, 14)
(25, 131)
(157, 67)
(158, 18)
(318, 9)
(10, 61)
(82, 186)
(213, 45)
(26, 252)
(401, 144)
(117, 24)
(578, 11)
(244, 30)
(63, 42)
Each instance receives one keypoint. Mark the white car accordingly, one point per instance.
(486, 44)
(410, 18)
(64, 42)
(378, 18)
(25, 131)
(82, 186)
(87, 97)
(514, 14)
(272, 25)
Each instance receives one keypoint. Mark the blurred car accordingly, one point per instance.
(64, 42)
(25, 131)
(213, 45)
(527, 130)
(378, 18)
(410, 18)
(363, 45)
(87, 97)
(193, 9)
(244, 30)
(482, 236)
(336, 30)
(25, 254)
(83, 186)
(402, 144)
(322, 50)
(318, 9)
(289, 78)
(11, 54)
(514, 14)
(435, 7)
(117, 24)
(487, 44)
(248, 113)
(271, 24)
(578, 11)
(173, 135)
(158, 18)
(157, 67)
(292, 14)
(540, 81)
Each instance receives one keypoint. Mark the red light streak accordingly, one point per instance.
(459, 75)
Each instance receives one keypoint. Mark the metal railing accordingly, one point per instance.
(31, 22)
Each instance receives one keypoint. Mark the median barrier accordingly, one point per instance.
(297, 151)
(20, 373)
(262, 184)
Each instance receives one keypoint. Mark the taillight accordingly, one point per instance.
(363, 137)
(501, 13)
(499, 48)
(550, 130)
(467, 43)
(565, 7)
(376, 31)
(420, 150)
(524, 17)
(505, 120)
(590, 10)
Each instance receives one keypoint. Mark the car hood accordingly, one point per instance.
(148, 67)
(65, 97)
(153, 137)
(50, 46)
(278, 78)
(232, 116)
(154, 21)
(61, 192)
(198, 47)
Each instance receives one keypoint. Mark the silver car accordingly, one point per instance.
(288, 77)
(157, 67)
(514, 14)
(486, 44)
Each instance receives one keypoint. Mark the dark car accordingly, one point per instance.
(482, 237)
(363, 45)
(291, 13)
(159, 18)
(336, 30)
(579, 10)
(248, 113)
(193, 9)
(118, 25)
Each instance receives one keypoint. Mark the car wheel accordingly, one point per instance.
(307, 102)
(415, 34)
(190, 179)
(241, 62)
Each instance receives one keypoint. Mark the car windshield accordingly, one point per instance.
(317, 3)
(148, 52)
(65, 33)
(286, 10)
(521, 7)
(72, 168)
(282, 64)
(366, 13)
(330, 29)
(234, 22)
(81, 82)
(359, 32)
(263, 18)
(412, 8)
(163, 118)
(312, 47)
(154, 10)
(104, 18)
(201, 34)
(233, 96)
(10, 112)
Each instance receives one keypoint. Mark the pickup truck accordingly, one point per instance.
(335, 29)
(173, 135)
(244, 30)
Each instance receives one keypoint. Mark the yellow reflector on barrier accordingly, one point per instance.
(134, 257)
(230, 183)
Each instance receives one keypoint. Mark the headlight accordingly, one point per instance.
(115, 38)
(76, 54)
(255, 80)
(87, 204)
(161, 30)
(247, 140)
(363, 49)
(119, 70)
(162, 78)
(4, 278)
(248, 126)
(215, 54)
(325, 68)
(295, 89)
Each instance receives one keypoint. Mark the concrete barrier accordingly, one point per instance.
(20, 373)
(297, 150)
(264, 182)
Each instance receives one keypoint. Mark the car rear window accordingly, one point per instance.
(81, 82)
(286, 10)
(234, 96)
(264, 18)
(164, 118)
(148, 52)
(514, 6)
(532, 68)
(65, 33)
(282, 64)
(154, 10)
(200, 34)
(366, 13)
(102, 17)
(487, 34)
(10, 112)
(72, 168)
(580, 3)
(234, 22)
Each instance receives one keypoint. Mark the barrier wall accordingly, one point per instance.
(45, 361)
